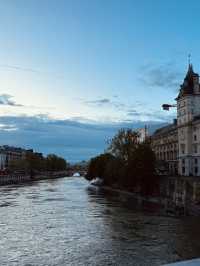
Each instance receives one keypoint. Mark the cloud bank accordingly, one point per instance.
(71, 139)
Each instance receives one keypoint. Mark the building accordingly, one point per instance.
(165, 146)
(3, 159)
(178, 145)
(142, 134)
(9, 154)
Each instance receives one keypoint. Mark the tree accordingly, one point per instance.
(35, 162)
(127, 163)
(124, 144)
(19, 165)
(55, 163)
(142, 168)
(114, 172)
(97, 166)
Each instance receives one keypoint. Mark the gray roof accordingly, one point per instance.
(187, 88)
(165, 130)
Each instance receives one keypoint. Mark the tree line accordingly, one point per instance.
(33, 163)
(126, 163)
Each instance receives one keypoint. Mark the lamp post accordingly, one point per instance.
(166, 106)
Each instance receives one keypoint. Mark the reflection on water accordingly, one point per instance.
(66, 222)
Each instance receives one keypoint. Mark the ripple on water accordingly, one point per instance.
(55, 199)
(7, 204)
(71, 225)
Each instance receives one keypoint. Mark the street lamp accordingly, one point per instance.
(166, 107)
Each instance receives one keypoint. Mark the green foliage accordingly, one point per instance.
(97, 166)
(127, 163)
(141, 168)
(124, 144)
(35, 162)
(18, 165)
(55, 163)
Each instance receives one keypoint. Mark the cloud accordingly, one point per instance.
(31, 70)
(69, 138)
(105, 102)
(99, 102)
(149, 115)
(6, 99)
(5, 127)
(162, 76)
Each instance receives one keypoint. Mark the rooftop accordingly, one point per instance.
(187, 88)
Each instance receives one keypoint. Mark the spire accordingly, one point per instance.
(190, 66)
(190, 70)
(187, 88)
(189, 59)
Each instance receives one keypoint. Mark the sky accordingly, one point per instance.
(73, 72)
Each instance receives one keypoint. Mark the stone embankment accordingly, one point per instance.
(153, 203)
(163, 205)
(177, 196)
(19, 178)
(13, 179)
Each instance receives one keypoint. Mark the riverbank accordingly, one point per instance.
(19, 178)
(164, 204)
(146, 202)
(176, 195)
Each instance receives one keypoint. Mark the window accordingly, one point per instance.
(182, 148)
(183, 161)
(196, 169)
(195, 148)
(183, 170)
(195, 137)
(182, 135)
(196, 161)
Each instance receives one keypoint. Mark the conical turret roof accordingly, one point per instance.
(187, 87)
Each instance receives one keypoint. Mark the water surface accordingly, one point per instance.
(66, 222)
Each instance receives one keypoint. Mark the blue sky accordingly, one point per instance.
(94, 63)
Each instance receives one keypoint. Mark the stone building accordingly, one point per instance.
(165, 146)
(188, 117)
(178, 145)
(143, 134)
(8, 154)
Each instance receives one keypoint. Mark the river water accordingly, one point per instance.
(67, 222)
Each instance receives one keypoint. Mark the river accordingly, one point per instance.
(67, 222)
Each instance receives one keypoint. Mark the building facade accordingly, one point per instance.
(179, 144)
(188, 117)
(8, 154)
(143, 134)
(165, 146)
